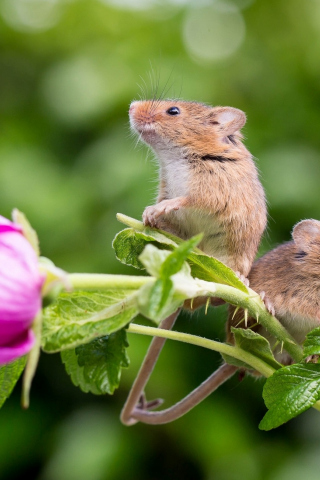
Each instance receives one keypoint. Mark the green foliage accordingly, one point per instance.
(254, 343)
(289, 392)
(128, 243)
(79, 317)
(312, 343)
(96, 366)
(29, 233)
(9, 375)
(159, 300)
(174, 262)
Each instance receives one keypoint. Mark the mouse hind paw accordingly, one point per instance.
(267, 303)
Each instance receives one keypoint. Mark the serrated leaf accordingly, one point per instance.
(311, 345)
(255, 344)
(9, 375)
(96, 366)
(289, 392)
(28, 231)
(79, 317)
(129, 245)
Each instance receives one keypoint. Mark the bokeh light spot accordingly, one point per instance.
(213, 32)
(81, 88)
(31, 15)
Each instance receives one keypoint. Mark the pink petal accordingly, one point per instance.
(21, 346)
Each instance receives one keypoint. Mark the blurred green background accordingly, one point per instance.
(68, 71)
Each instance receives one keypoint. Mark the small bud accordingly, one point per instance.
(20, 292)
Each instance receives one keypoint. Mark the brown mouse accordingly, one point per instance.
(208, 180)
(289, 277)
(208, 184)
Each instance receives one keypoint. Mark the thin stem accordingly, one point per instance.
(95, 281)
(130, 222)
(145, 372)
(235, 352)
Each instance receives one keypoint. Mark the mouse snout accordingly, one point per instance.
(132, 107)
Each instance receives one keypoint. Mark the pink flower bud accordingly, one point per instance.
(20, 292)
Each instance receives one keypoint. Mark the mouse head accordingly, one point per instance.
(195, 128)
(306, 236)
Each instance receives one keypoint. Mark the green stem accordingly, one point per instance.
(130, 222)
(95, 281)
(255, 307)
(235, 352)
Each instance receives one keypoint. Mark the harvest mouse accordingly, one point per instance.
(208, 183)
(208, 180)
(289, 277)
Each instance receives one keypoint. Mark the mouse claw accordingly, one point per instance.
(243, 279)
(267, 303)
(312, 359)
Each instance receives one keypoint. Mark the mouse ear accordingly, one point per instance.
(228, 119)
(305, 232)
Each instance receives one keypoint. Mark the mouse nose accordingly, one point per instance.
(132, 106)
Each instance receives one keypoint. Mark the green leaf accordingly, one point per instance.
(29, 233)
(128, 247)
(9, 375)
(234, 361)
(79, 317)
(174, 262)
(158, 301)
(96, 366)
(289, 392)
(212, 270)
(255, 344)
(312, 343)
(130, 243)
(152, 258)
(32, 361)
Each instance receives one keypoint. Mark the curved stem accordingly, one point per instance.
(235, 352)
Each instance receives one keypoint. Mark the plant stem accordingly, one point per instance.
(130, 222)
(251, 302)
(235, 352)
(95, 281)
(254, 305)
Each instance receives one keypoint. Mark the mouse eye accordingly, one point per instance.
(173, 111)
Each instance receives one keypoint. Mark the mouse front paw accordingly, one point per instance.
(151, 214)
(243, 279)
